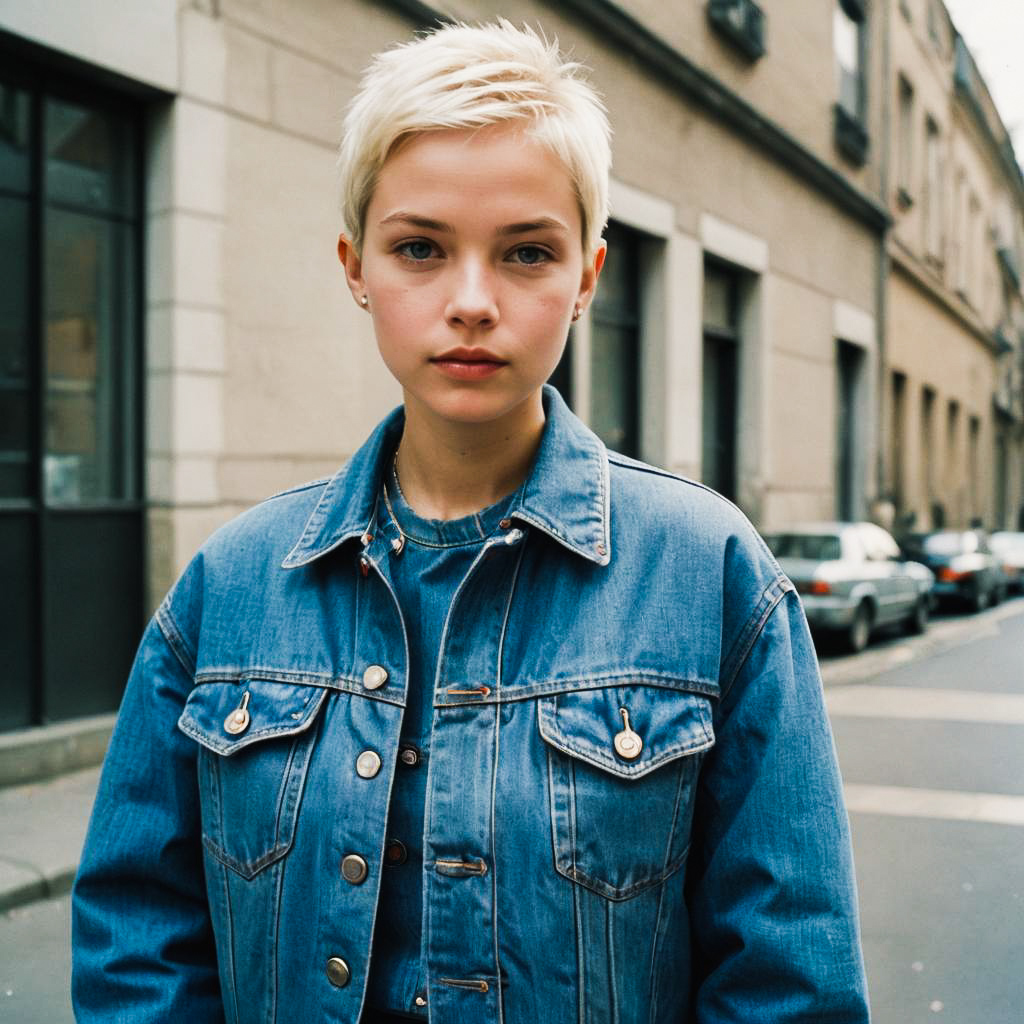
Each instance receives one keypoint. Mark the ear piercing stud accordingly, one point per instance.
(576, 313)
(364, 301)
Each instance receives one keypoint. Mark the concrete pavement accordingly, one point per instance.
(42, 828)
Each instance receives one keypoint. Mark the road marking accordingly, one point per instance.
(867, 701)
(942, 804)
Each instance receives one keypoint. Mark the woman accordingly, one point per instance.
(494, 724)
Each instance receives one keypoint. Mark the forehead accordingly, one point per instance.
(498, 173)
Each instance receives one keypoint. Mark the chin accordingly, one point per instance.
(477, 405)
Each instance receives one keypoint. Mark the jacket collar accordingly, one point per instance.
(566, 495)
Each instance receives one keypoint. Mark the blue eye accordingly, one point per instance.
(530, 255)
(417, 250)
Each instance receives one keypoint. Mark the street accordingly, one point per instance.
(930, 733)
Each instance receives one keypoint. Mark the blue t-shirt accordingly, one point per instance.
(430, 558)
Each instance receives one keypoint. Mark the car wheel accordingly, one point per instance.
(859, 631)
(917, 623)
(980, 598)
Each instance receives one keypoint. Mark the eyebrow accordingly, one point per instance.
(429, 224)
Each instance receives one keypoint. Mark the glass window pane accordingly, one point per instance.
(14, 290)
(614, 358)
(88, 441)
(618, 289)
(89, 158)
(14, 139)
(719, 308)
(15, 434)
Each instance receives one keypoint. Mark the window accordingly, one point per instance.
(952, 446)
(934, 28)
(960, 242)
(896, 432)
(905, 156)
(615, 345)
(848, 33)
(70, 437)
(933, 192)
(720, 379)
(974, 468)
(849, 380)
(927, 448)
(973, 243)
(850, 109)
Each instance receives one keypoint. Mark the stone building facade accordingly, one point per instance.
(754, 312)
(954, 339)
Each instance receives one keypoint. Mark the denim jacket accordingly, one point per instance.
(633, 806)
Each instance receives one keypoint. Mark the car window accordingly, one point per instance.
(877, 543)
(944, 543)
(819, 547)
(1006, 542)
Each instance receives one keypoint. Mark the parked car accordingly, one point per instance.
(853, 578)
(1008, 547)
(965, 569)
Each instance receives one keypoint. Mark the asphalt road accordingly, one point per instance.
(930, 733)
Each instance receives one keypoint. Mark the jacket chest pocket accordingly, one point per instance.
(255, 742)
(622, 771)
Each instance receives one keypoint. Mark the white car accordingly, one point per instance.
(853, 578)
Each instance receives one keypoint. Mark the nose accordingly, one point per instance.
(473, 300)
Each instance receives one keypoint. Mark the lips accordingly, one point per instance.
(468, 355)
(468, 363)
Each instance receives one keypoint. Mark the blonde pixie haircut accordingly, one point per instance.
(462, 76)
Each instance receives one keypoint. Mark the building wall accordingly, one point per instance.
(945, 296)
(261, 372)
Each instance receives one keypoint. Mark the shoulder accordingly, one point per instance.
(658, 499)
(238, 561)
(267, 530)
(697, 539)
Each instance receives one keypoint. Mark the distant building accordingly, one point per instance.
(177, 341)
(954, 451)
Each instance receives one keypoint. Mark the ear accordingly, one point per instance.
(353, 269)
(591, 272)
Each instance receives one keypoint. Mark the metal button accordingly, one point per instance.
(627, 743)
(409, 756)
(354, 868)
(420, 1001)
(367, 764)
(375, 677)
(238, 721)
(395, 852)
(505, 523)
(338, 973)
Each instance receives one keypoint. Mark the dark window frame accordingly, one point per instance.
(50, 526)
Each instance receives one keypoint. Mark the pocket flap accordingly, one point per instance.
(274, 709)
(584, 724)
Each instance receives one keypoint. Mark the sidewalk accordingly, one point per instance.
(42, 829)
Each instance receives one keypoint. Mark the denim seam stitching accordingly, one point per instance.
(175, 639)
(753, 628)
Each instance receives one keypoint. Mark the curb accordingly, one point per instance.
(47, 751)
(39, 888)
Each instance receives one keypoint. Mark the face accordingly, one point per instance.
(472, 265)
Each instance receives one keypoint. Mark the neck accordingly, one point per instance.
(450, 470)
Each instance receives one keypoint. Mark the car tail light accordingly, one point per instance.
(819, 587)
(947, 575)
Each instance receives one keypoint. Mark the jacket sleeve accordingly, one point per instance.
(771, 887)
(142, 943)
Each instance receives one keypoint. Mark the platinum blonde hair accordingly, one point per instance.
(463, 76)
